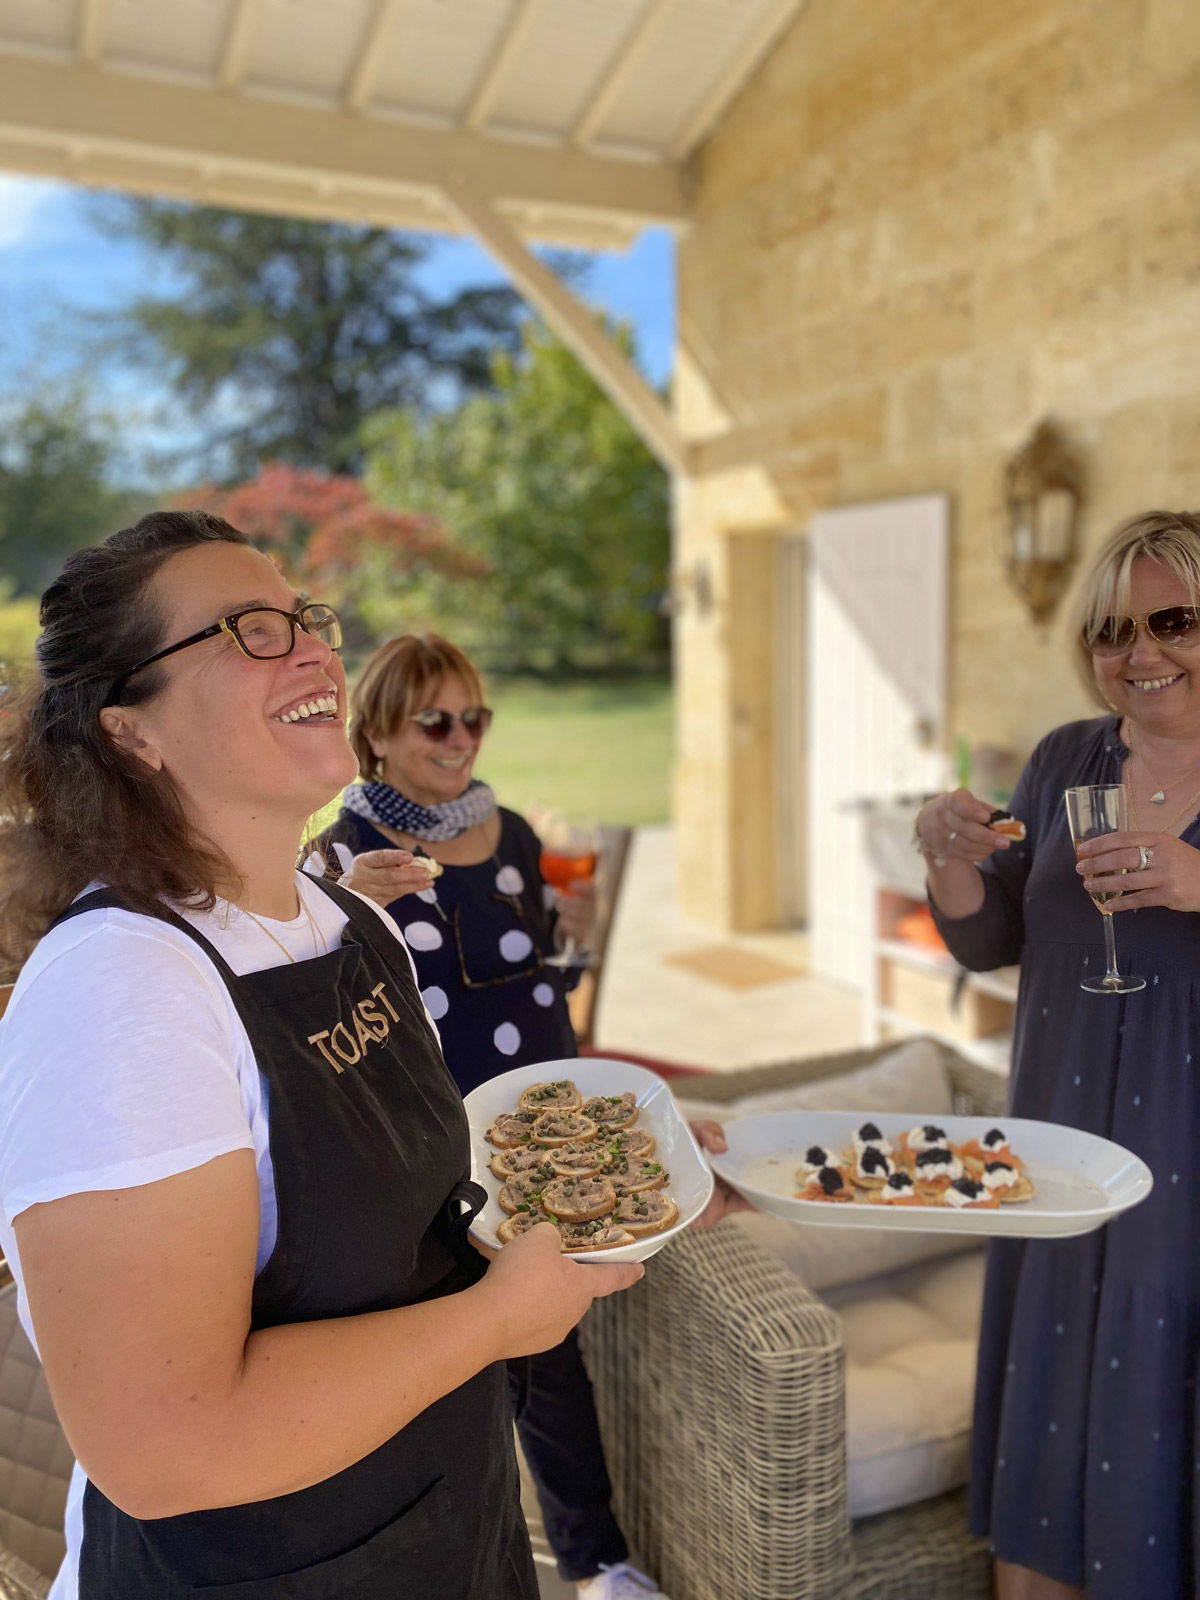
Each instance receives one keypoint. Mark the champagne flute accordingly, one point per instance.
(568, 856)
(1093, 811)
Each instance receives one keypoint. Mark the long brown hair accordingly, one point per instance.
(78, 808)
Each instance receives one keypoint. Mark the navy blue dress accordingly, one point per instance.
(1086, 1461)
(479, 936)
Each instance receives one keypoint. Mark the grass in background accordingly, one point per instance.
(592, 750)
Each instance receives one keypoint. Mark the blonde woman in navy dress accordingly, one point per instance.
(232, 1161)
(1086, 1471)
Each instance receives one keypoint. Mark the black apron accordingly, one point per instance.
(371, 1159)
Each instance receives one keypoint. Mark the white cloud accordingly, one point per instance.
(21, 199)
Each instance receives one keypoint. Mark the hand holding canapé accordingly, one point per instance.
(386, 875)
(956, 827)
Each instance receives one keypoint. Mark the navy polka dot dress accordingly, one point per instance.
(1086, 1459)
(479, 936)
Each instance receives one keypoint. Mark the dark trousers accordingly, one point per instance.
(556, 1423)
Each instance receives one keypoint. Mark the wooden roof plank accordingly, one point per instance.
(365, 74)
(491, 86)
(738, 70)
(633, 52)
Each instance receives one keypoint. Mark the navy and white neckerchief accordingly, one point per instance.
(379, 802)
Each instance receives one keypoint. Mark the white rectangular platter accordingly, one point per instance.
(1082, 1181)
(690, 1184)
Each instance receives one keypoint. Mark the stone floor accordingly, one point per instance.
(652, 1007)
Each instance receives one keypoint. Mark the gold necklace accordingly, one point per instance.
(318, 943)
(1159, 797)
(1160, 827)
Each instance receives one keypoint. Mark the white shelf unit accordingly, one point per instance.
(890, 962)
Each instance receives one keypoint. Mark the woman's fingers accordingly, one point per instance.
(610, 1279)
(710, 1136)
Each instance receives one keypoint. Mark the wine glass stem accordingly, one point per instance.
(1110, 945)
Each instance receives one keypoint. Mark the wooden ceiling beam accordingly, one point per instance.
(738, 70)
(365, 73)
(629, 58)
(89, 31)
(496, 74)
(237, 43)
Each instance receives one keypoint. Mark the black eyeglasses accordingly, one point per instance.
(1177, 626)
(263, 633)
(437, 725)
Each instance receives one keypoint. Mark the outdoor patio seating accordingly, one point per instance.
(35, 1464)
(721, 1387)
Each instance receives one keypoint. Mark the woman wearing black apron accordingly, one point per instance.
(235, 1178)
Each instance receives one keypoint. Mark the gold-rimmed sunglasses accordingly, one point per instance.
(1178, 627)
(262, 632)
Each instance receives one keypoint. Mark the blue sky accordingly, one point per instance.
(56, 267)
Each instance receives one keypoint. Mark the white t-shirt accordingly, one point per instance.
(124, 1061)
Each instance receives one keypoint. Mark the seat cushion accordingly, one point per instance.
(911, 1342)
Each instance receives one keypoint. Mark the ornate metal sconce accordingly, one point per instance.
(1042, 497)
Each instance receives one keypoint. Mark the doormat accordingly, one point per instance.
(735, 968)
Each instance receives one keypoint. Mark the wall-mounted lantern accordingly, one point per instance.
(1042, 497)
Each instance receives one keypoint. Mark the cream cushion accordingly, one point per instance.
(911, 1341)
(910, 1078)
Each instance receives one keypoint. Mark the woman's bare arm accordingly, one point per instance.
(140, 1300)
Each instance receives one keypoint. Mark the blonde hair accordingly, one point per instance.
(396, 682)
(1171, 538)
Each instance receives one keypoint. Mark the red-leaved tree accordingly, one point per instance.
(337, 544)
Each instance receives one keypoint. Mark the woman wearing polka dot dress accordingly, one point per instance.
(480, 934)
(1086, 1471)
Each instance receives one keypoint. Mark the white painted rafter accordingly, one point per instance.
(89, 31)
(496, 74)
(237, 43)
(571, 320)
(737, 71)
(170, 138)
(632, 53)
(365, 73)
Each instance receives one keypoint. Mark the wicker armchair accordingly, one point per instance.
(35, 1463)
(720, 1386)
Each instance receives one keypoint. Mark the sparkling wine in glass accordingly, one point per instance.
(568, 856)
(1093, 811)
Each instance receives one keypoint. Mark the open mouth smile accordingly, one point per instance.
(1153, 685)
(322, 707)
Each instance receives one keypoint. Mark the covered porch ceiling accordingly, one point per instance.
(562, 121)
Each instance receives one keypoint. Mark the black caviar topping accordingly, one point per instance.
(995, 1136)
(869, 1131)
(968, 1187)
(874, 1161)
(816, 1155)
(934, 1133)
(999, 1166)
(899, 1180)
(939, 1156)
(830, 1180)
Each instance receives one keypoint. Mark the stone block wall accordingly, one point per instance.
(921, 228)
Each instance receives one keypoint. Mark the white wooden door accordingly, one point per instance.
(876, 682)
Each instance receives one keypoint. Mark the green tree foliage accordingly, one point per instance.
(546, 484)
(55, 488)
(284, 334)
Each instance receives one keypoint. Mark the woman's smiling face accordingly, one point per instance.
(1157, 685)
(221, 726)
(427, 770)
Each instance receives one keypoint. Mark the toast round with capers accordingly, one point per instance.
(562, 1127)
(579, 1199)
(615, 1111)
(517, 1163)
(511, 1130)
(521, 1194)
(602, 1234)
(558, 1095)
(513, 1227)
(648, 1212)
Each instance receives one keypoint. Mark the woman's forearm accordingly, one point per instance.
(309, 1400)
(956, 889)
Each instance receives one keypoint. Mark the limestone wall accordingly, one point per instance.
(925, 225)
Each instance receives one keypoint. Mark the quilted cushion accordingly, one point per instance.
(910, 1380)
(35, 1459)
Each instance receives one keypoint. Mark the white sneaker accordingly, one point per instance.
(621, 1582)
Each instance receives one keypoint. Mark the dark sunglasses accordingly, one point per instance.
(264, 633)
(1177, 626)
(437, 725)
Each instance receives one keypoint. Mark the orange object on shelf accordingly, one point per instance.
(918, 927)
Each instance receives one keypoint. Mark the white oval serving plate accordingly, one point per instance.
(691, 1182)
(1082, 1181)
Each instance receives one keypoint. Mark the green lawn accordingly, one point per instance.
(591, 750)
